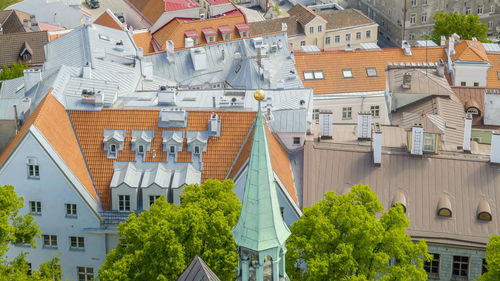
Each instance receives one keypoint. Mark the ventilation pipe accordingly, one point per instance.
(377, 145)
(406, 48)
(467, 133)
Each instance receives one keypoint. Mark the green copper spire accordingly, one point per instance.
(260, 225)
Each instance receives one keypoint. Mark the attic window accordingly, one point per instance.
(429, 142)
(112, 148)
(371, 72)
(484, 211)
(172, 149)
(444, 207)
(313, 75)
(196, 150)
(473, 111)
(141, 148)
(347, 73)
(104, 37)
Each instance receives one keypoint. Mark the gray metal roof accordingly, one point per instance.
(52, 12)
(233, 63)
(198, 270)
(491, 47)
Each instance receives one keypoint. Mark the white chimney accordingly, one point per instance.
(364, 130)
(467, 132)
(417, 140)
(495, 147)
(377, 145)
(326, 124)
(147, 70)
(188, 42)
(31, 78)
(406, 48)
(451, 45)
(25, 105)
(443, 40)
(284, 26)
(348, 48)
(1, 29)
(169, 50)
(87, 71)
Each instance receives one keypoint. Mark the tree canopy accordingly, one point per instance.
(17, 229)
(341, 238)
(467, 26)
(6, 3)
(492, 260)
(13, 71)
(158, 244)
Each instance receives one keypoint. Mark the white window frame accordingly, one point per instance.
(424, 2)
(368, 34)
(348, 37)
(85, 273)
(423, 18)
(492, 9)
(51, 239)
(36, 208)
(480, 10)
(460, 266)
(429, 142)
(328, 40)
(413, 3)
(295, 142)
(152, 199)
(77, 243)
(347, 73)
(124, 203)
(320, 28)
(375, 110)
(371, 72)
(33, 168)
(71, 210)
(314, 75)
(358, 35)
(413, 18)
(311, 29)
(346, 113)
(337, 39)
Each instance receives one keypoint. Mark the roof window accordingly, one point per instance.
(313, 75)
(399, 198)
(347, 73)
(371, 72)
(104, 37)
(444, 207)
(484, 211)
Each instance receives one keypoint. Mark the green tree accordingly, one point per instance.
(17, 229)
(13, 71)
(492, 260)
(340, 238)
(467, 26)
(158, 244)
(6, 3)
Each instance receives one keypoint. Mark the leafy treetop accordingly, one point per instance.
(467, 26)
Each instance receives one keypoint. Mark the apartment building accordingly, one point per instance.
(412, 19)
(326, 29)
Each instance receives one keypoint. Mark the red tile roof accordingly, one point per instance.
(468, 50)
(174, 5)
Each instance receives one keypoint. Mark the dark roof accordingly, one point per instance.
(344, 18)
(303, 14)
(270, 26)
(198, 270)
(474, 97)
(14, 43)
(12, 21)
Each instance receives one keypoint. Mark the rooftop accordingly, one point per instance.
(13, 44)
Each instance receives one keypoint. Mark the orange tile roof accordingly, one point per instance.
(279, 160)
(143, 40)
(493, 72)
(51, 119)
(221, 152)
(332, 63)
(468, 50)
(176, 29)
(107, 18)
(150, 9)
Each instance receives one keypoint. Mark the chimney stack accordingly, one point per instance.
(406, 48)
(364, 130)
(495, 147)
(1, 29)
(169, 50)
(284, 27)
(467, 133)
(406, 81)
(325, 124)
(417, 140)
(443, 40)
(31, 78)
(377, 145)
(87, 71)
(188, 42)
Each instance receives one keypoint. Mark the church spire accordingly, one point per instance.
(260, 231)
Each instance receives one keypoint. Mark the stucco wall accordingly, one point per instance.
(470, 73)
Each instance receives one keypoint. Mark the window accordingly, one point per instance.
(196, 150)
(77, 243)
(347, 73)
(467, 10)
(112, 148)
(85, 273)
(460, 266)
(348, 37)
(498, 75)
(320, 28)
(346, 113)
(473, 111)
(411, 36)
(444, 212)
(484, 267)
(327, 40)
(71, 210)
(337, 40)
(316, 114)
(492, 9)
(371, 72)
(302, 43)
(476, 84)
(375, 110)
(424, 2)
(480, 10)
(33, 168)
(29, 269)
(368, 34)
(50, 241)
(123, 203)
(424, 18)
(432, 266)
(463, 84)
(152, 199)
(244, 34)
(103, 37)
(358, 35)
(172, 149)
(429, 142)
(313, 75)
(36, 207)
(227, 36)
(413, 3)
(490, 24)
(296, 140)
(311, 29)
(413, 18)
(210, 39)
(141, 149)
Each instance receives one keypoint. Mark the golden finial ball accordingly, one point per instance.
(259, 95)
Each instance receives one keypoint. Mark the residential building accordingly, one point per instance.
(328, 29)
(411, 20)
(23, 47)
(109, 19)
(14, 21)
(57, 12)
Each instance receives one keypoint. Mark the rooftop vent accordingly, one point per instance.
(406, 81)
(257, 42)
(377, 145)
(214, 125)
(406, 48)
(166, 96)
(91, 97)
(174, 117)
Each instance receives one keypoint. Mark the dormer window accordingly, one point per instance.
(141, 142)
(113, 148)
(141, 149)
(226, 32)
(209, 34)
(399, 199)
(429, 142)
(484, 211)
(196, 150)
(444, 207)
(243, 29)
(172, 149)
(113, 142)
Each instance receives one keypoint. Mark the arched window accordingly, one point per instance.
(473, 111)
(484, 211)
(399, 198)
(444, 207)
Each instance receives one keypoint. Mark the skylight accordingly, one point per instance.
(104, 37)
(313, 75)
(347, 73)
(371, 72)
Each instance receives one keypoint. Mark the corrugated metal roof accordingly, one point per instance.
(491, 47)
